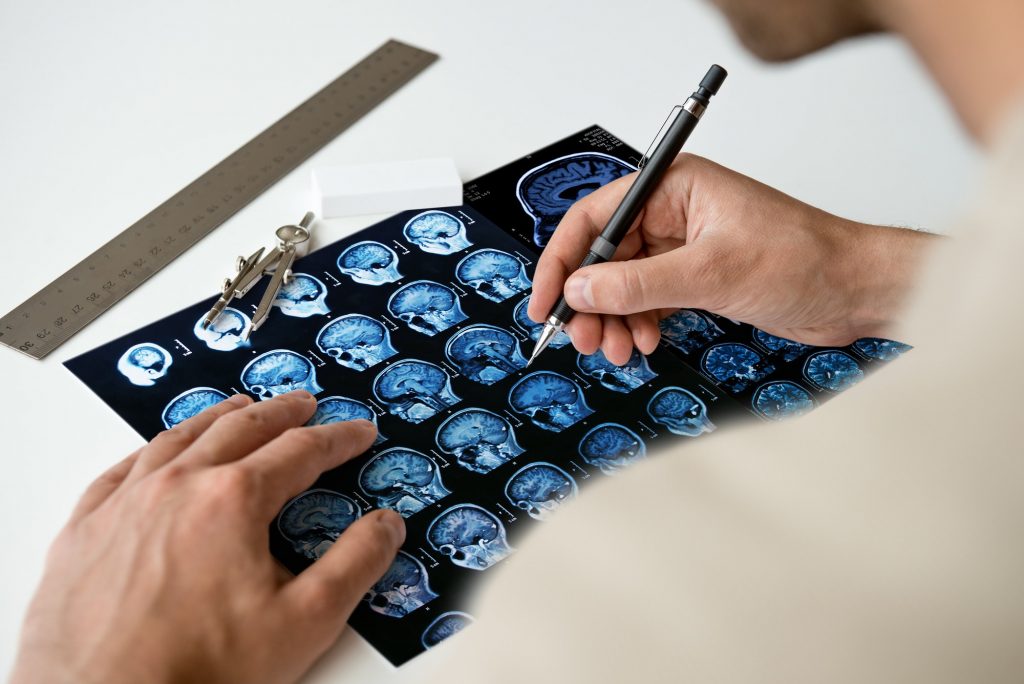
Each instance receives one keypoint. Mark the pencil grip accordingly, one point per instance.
(562, 310)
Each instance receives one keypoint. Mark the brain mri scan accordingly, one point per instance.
(832, 370)
(339, 409)
(356, 341)
(144, 364)
(279, 372)
(403, 480)
(624, 378)
(494, 274)
(879, 349)
(314, 520)
(689, 331)
(369, 263)
(227, 332)
(523, 321)
(735, 365)
(414, 390)
(189, 403)
(539, 489)
(484, 353)
(479, 440)
(782, 399)
(611, 447)
(469, 536)
(680, 411)
(547, 191)
(426, 307)
(402, 589)
(444, 626)
(551, 401)
(789, 349)
(302, 296)
(437, 232)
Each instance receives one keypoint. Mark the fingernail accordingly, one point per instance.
(239, 399)
(579, 292)
(301, 394)
(395, 526)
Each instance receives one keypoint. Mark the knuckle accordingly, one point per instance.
(176, 438)
(305, 439)
(232, 482)
(247, 421)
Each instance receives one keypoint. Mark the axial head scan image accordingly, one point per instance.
(403, 480)
(479, 440)
(494, 274)
(880, 349)
(469, 536)
(485, 353)
(227, 332)
(302, 296)
(414, 390)
(402, 589)
(547, 191)
(369, 263)
(314, 520)
(789, 349)
(437, 232)
(540, 488)
(356, 341)
(782, 399)
(426, 307)
(339, 409)
(189, 403)
(524, 322)
(611, 447)
(688, 330)
(735, 365)
(444, 626)
(832, 370)
(278, 372)
(625, 378)
(680, 411)
(144, 364)
(551, 401)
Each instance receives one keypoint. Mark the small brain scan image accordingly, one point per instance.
(689, 331)
(279, 372)
(369, 263)
(227, 332)
(314, 520)
(540, 488)
(414, 390)
(612, 447)
(444, 626)
(532, 329)
(356, 341)
(551, 401)
(789, 349)
(403, 480)
(832, 370)
(402, 589)
(190, 403)
(547, 191)
(484, 353)
(144, 364)
(494, 274)
(302, 296)
(735, 365)
(469, 536)
(782, 399)
(426, 307)
(680, 411)
(437, 232)
(623, 379)
(880, 349)
(479, 440)
(339, 409)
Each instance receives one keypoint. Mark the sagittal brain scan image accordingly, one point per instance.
(414, 390)
(314, 520)
(144, 364)
(484, 353)
(832, 370)
(479, 440)
(279, 372)
(402, 589)
(227, 332)
(469, 536)
(624, 378)
(494, 274)
(540, 488)
(444, 626)
(356, 341)
(340, 409)
(302, 296)
(370, 263)
(532, 329)
(880, 349)
(547, 191)
(789, 349)
(782, 399)
(189, 403)
(403, 480)
(689, 331)
(735, 365)
(426, 307)
(437, 232)
(551, 401)
(612, 447)
(680, 411)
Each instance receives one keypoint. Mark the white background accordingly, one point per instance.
(108, 108)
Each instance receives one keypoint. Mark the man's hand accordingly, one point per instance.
(164, 572)
(710, 238)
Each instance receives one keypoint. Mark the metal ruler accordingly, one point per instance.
(55, 313)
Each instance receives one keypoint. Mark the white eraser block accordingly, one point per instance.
(385, 187)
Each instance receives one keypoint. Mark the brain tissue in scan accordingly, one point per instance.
(832, 370)
(402, 589)
(469, 536)
(426, 307)
(485, 353)
(782, 399)
(880, 349)
(414, 390)
(369, 263)
(478, 439)
(444, 626)
(228, 331)
(302, 296)
(680, 411)
(788, 349)
(689, 331)
(551, 401)
(547, 191)
(403, 480)
(611, 447)
(340, 409)
(523, 321)
(278, 372)
(356, 341)
(313, 521)
(735, 366)
(144, 364)
(494, 274)
(437, 232)
(189, 403)
(539, 489)
(625, 378)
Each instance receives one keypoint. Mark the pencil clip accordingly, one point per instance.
(644, 158)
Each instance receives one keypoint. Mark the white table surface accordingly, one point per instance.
(107, 108)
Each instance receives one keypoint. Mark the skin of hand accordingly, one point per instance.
(164, 573)
(710, 238)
